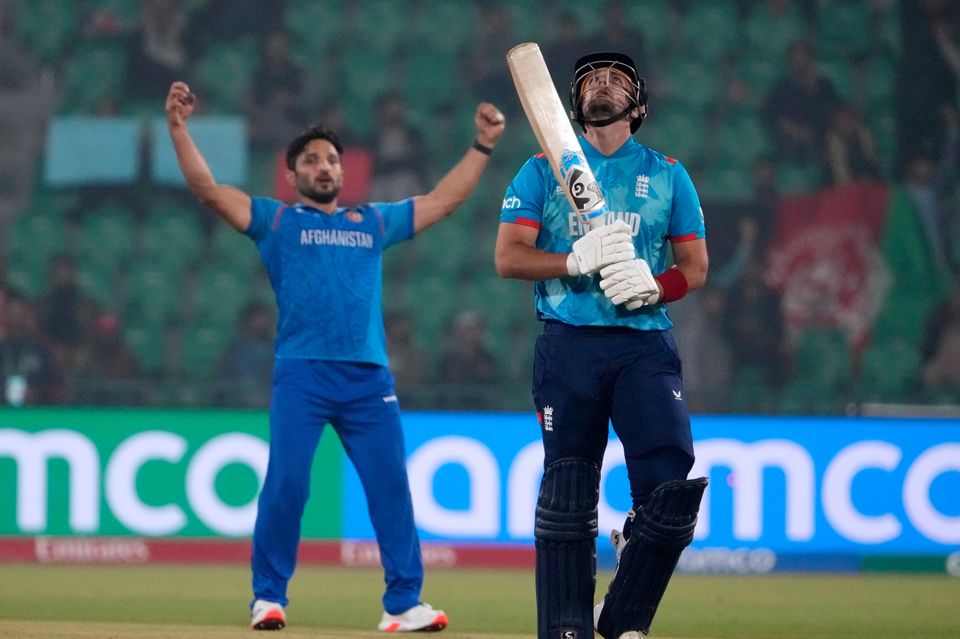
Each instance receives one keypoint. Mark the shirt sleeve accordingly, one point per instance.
(264, 212)
(397, 220)
(523, 202)
(686, 219)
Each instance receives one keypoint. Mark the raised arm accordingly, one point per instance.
(230, 203)
(457, 185)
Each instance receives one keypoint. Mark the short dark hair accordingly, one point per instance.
(299, 143)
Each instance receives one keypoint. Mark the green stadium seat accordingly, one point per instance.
(839, 69)
(526, 21)
(769, 35)
(751, 392)
(224, 74)
(431, 79)
(693, 84)
(38, 234)
(726, 183)
(880, 78)
(711, 29)
(173, 234)
(888, 370)
(434, 301)
(146, 341)
(446, 24)
(760, 73)
(221, 294)
(96, 70)
(676, 131)
(153, 292)
(46, 26)
(315, 26)
(742, 139)
(588, 13)
(797, 177)
(201, 349)
(233, 250)
(107, 235)
(654, 19)
(844, 26)
(381, 24)
(98, 280)
(28, 277)
(823, 359)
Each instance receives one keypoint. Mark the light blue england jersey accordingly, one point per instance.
(326, 272)
(649, 191)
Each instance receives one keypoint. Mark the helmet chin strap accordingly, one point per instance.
(613, 118)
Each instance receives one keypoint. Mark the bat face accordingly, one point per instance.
(551, 125)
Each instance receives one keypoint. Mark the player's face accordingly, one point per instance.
(319, 174)
(605, 92)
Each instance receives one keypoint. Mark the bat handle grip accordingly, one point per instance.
(594, 218)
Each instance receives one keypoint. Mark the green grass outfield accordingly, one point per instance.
(190, 602)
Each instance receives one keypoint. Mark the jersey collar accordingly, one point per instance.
(629, 147)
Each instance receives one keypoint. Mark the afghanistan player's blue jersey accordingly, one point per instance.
(646, 189)
(326, 272)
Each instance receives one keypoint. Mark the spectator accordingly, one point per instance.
(930, 184)
(65, 313)
(799, 107)
(925, 77)
(618, 35)
(468, 365)
(762, 207)
(247, 364)
(399, 166)
(106, 370)
(276, 114)
(564, 51)
(31, 375)
(158, 54)
(941, 352)
(495, 36)
(408, 361)
(754, 327)
(850, 153)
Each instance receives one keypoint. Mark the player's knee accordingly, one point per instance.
(567, 506)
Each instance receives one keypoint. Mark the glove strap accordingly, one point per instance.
(674, 284)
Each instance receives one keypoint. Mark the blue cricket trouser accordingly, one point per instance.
(587, 377)
(359, 401)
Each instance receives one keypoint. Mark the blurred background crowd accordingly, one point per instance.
(821, 134)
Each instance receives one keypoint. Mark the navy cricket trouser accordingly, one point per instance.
(586, 377)
(359, 401)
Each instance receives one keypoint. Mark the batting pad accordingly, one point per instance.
(661, 530)
(566, 526)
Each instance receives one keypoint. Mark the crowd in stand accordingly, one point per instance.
(733, 331)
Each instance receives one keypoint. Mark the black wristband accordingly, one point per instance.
(486, 150)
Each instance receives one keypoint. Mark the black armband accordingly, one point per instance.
(486, 150)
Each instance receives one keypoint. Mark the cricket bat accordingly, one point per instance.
(551, 125)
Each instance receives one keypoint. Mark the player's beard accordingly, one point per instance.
(602, 107)
(323, 195)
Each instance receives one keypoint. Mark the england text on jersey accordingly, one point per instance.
(335, 237)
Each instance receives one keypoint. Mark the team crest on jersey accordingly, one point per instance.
(642, 188)
(355, 216)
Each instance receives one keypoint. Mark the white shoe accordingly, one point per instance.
(631, 634)
(267, 615)
(420, 618)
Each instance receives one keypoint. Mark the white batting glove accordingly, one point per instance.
(601, 246)
(630, 283)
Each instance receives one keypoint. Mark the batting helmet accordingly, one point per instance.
(619, 62)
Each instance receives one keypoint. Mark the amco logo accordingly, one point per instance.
(32, 453)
